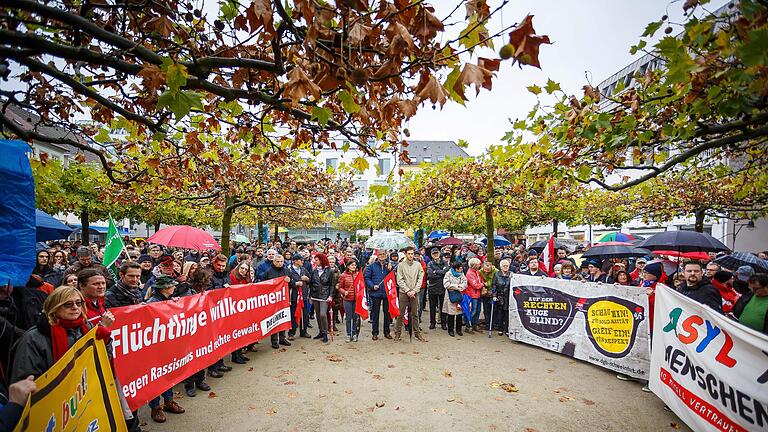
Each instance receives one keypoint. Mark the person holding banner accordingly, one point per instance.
(321, 290)
(162, 291)
(752, 308)
(299, 287)
(374, 275)
(347, 291)
(93, 285)
(275, 270)
(455, 284)
(500, 290)
(62, 323)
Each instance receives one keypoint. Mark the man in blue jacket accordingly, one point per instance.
(374, 276)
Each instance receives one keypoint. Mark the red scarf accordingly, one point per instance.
(60, 341)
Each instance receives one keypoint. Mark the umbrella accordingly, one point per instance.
(326, 239)
(612, 243)
(303, 239)
(541, 244)
(184, 236)
(616, 236)
(450, 241)
(389, 240)
(683, 241)
(670, 267)
(497, 241)
(49, 228)
(620, 251)
(689, 255)
(438, 234)
(738, 259)
(240, 238)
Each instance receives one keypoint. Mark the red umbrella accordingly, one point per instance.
(184, 236)
(689, 255)
(450, 241)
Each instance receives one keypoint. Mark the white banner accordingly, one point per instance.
(711, 371)
(603, 324)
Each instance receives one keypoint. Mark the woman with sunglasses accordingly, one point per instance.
(62, 323)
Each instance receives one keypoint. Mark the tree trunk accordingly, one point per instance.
(226, 225)
(260, 235)
(277, 234)
(157, 226)
(85, 231)
(489, 229)
(420, 237)
(698, 226)
(554, 227)
(370, 232)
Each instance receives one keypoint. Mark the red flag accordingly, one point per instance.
(297, 315)
(392, 297)
(361, 301)
(548, 256)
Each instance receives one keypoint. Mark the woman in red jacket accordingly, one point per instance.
(241, 274)
(475, 284)
(346, 289)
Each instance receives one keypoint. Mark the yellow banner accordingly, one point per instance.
(78, 393)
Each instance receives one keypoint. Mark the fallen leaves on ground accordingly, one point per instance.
(271, 411)
(250, 369)
(588, 402)
(674, 425)
(391, 366)
(522, 369)
(377, 376)
(369, 371)
(561, 389)
(530, 430)
(211, 395)
(379, 404)
(566, 399)
(550, 370)
(293, 395)
(447, 373)
(289, 383)
(450, 399)
(507, 387)
(334, 358)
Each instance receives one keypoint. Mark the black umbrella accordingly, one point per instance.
(541, 244)
(683, 241)
(617, 251)
(738, 259)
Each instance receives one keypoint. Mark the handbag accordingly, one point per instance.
(454, 296)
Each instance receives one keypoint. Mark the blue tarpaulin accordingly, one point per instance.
(50, 228)
(17, 214)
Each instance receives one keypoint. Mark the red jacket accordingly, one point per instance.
(729, 295)
(235, 279)
(94, 311)
(475, 284)
(347, 285)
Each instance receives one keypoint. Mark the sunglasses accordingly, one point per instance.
(71, 304)
(611, 322)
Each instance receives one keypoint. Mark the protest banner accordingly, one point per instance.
(157, 345)
(711, 371)
(599, 323)
(78, 393)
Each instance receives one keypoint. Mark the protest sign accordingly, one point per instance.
(711, 371)
(599, 323)
(78, 393)
(157, 345)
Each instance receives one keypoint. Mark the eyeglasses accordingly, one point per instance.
(611, 322)
(72, 304)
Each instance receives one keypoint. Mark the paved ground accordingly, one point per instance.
(446, 383)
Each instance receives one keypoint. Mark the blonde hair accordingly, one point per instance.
(57, 298)
(474, 261)
(187, 267)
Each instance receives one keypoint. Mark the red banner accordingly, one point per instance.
(392, 295)
(361, 300)
(157, 345)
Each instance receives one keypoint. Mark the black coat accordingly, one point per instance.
(436, 271)
(220, 279)
(322, 286)
(122, 295)
(704, 293)
(296, 275)
(500, 288)
(274, 272)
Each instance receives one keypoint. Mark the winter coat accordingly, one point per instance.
(742, 303)
(236, 279)
(374, 274)
(409, 276)
(704, 293)
(728, 294)
(347, 285)
(321, 285)
(475, 283)
(296, 274)
(500, 288)
(261, 269)
(273, 272)
(34, 351)
(436, 271)
(94, 310)
(451, 282)
(27, 306)
(220, 279)
(122, 295)
(488, 278)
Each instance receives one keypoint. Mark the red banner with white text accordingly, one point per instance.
(157, 345)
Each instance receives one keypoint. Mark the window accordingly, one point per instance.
(428, 159)
(361, 187)
(385, 165)
(331, 163)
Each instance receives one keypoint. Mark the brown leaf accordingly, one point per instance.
(370, 409)
(479, 7)
(522, 369)
(472, 74)
(358, 33)
(250, 369)
(211, 395)
(334, 358)
(43, 158)
(299, 86)
(289, 383)
(272, 411)
(674, 425)
(530, 430)
(450, 399)
(588, 402)
(391, 366)
(81, 158)
(447, 373)
(379, 404)
(162, 25)
(526, 42)
(565, 399)
(377, 376)
(433, 91)
(690, 4)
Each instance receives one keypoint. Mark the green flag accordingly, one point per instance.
(112, 249)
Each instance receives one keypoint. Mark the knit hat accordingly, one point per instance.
(654, 268)
(722, 276)
(144, 258)
(743, 273)
(532, 252)
(164, 282)
(83, 251)
(166, 260)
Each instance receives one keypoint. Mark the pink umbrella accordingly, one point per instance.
(450, 241)
(184, 236)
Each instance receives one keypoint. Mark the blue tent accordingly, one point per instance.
(49, 228)
(17, 214)
(497, 241)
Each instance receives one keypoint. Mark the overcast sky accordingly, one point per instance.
(591, 41)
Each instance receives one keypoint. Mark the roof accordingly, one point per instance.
(433, 150)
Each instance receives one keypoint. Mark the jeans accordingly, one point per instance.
(167, 396)
(321, 313)
(412, 304)
(376, 306)
(474, 308)
(195, 378)
(349, 317)
(435, 307)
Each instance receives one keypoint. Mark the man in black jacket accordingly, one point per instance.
(299, 282)
(698, 288)
(277, 269)
(127, 291)
(436, 270)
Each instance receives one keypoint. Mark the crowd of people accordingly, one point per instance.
(70, 291)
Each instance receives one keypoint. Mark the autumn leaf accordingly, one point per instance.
(333, 358)
(211, 395)
(473, 74)
(271, 411)
(526, 42)
(299, 86)
(259, 14)
(162, 25)
(433, 91)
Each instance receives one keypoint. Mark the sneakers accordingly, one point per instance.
(375, 337)
(202, 385)
(431, 326)
(190, 390)
(325, 338)
(319, 336)
(354, 338)
(225, 368)
(215, 374)
(305, 335)
(348, 339)
(172, 407)
(275, 345)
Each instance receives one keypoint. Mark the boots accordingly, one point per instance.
(458, 326)
(450, 320)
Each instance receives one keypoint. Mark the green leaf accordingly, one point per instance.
(348, 102)
(180, 102)
(360, 164)
(754, 52)
(176, 76)
(321, 114)
(378, 191)
(450, 80)
(584, 172)
(102, 136)
(552, 86)
(652, 28)
(635, 48)
(534, 89)
(462, 143)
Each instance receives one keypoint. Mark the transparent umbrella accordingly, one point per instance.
(389, 240)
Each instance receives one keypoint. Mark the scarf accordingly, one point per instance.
(455, 273)
(60, 340)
